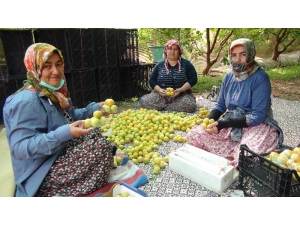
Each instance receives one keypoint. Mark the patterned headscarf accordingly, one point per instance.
(34, 60)
(167, 46)
(243, 70)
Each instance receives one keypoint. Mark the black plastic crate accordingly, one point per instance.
(109, 91)
(129, 82)
(7, 87)
(260, 177)
(82, 48)
(144, 72)
(3, 73)
(57, 38)
(15, 44)
(105, 41)
(84, 88)
(128, 49)
(108, 76)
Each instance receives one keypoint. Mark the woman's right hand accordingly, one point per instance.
(77, 129)
(161, 92)
(212, 128)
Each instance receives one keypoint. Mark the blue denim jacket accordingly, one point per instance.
(36, 131)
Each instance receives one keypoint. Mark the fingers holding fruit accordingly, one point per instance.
(210, 125)
(77, 130)
(104, 113)
(212, 128)
(170, 92)
(177, 92)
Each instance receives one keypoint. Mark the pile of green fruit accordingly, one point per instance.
(98, 120)
(110, 106)
(288, 158)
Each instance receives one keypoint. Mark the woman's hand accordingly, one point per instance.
(212, 128)
(102, 110)
(77, 129)
(177, 92)
(161, 92)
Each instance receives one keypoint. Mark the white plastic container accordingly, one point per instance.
(202, 167)
(120, 187)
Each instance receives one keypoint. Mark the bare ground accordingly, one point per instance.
(288, 90)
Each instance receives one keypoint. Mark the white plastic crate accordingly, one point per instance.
(202, 167)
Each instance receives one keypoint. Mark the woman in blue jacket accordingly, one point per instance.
(242, 113)
(176, 73)
(52, 153)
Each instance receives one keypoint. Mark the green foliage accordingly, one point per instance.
(284, 73)
(205, 83)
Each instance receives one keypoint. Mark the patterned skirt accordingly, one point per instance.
(185, 102)
(260, 139)
(83, 167)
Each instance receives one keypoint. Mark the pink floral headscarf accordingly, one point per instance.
(35, 57)
(167, 46)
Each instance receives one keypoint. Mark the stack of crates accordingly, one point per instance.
(144, 72)
(82, 76)
(100, 63)
(107, 71)
(128, 61)
(12, 76)
(57, 38)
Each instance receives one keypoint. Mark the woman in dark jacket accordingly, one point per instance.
(174, 73)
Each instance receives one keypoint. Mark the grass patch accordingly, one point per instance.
(284, 73)
(205, 83)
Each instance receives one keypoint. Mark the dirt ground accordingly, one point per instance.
(288, 90)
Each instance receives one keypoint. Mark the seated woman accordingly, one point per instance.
(52, 154)
(174, 72)
(242, 113)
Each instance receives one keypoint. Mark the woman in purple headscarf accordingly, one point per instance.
(176, 73)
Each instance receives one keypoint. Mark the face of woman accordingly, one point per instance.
(238, 54)
(52, 72)
(173, 52)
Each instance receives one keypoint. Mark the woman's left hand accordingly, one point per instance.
(212, 128)
(177, 92)
(104, 113)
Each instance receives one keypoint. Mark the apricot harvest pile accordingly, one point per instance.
(138, 134)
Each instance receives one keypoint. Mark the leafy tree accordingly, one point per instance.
(282, 39)
(215, 42)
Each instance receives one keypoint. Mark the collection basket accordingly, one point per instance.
(259, 177)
